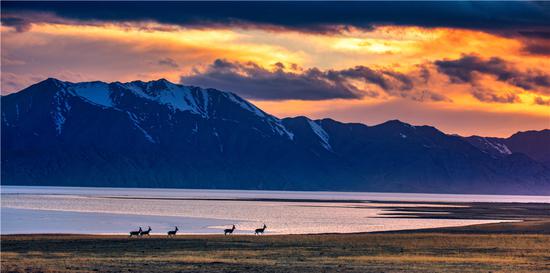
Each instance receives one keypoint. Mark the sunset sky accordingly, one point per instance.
(467, 68)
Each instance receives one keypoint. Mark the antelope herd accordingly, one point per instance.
(140, 232)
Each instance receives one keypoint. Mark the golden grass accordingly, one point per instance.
(436, 259)
(284, 253)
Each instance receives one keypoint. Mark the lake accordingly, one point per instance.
(27, 209)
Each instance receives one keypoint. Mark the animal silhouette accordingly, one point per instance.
(136, 232)
(173, 232)
(145, 232)
(229, 230)
(259, 231)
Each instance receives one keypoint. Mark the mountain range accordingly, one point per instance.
(160, 134)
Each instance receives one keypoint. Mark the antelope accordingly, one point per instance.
(136, 232)
(229, 230)
(172, 232)
(145, 232)
(259, 231)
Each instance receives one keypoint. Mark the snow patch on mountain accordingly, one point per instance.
(220, 145)
(95, 92)
(245, 104)
(275, 124)
(319, 131)
(205, 100)
(59, 119)
(5, 120)
(62, 108)
(178, 98)
(280, 129)
(174, 96)
(501, 148)
(135, 121)
(493, 146)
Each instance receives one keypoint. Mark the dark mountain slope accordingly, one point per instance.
(159, 134)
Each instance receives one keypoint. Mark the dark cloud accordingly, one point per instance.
(537, 47)
(535, 42)
(541, 101)
(304, 16)
(428, 95)
(279, 65)
(168, 62)
(464, 70)
(407, 82)
(362, 73)
(424, 73)
(391, 82)
(252, 81)
(539, 34)
(20, 24)
(490, 96)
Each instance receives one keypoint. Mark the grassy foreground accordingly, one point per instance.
(384, 252)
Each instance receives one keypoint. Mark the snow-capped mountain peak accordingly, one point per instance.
(161, 95)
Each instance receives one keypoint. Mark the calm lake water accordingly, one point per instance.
(116, 210)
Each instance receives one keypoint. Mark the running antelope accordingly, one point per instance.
(229, 230)
(136, 232)
(145, 232)
(259, 231)
(172, 232)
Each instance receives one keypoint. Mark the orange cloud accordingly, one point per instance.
(129, 51)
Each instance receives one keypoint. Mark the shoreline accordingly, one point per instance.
(520, 227)
(271, 191)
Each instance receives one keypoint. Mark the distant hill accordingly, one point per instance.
(160, 134)
(535, 144)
